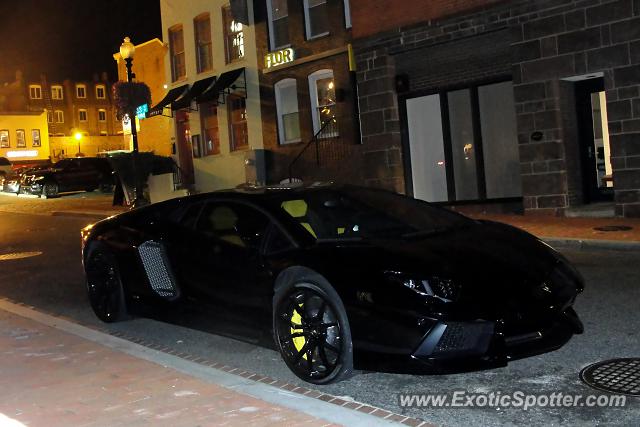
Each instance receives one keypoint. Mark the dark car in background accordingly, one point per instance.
(76, 174)
(5, 167)
(337, 277)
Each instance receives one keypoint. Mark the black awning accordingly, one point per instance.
(170, 97)
(224, 82)
(196, 90)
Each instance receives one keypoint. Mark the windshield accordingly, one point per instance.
(366, 213)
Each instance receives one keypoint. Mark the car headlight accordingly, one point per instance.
(444, 289)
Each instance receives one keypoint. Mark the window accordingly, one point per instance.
(100, 92)
(323, 102)
(4, 139)
(287, 108)
(102, 115)
(176, 49)
(21, 140)
(316, 18)
(278, 23)
(50, 116)
(81, 91)
(82, 115)
(202, 30)
(209, 120)
(233, 224)
(233, 36)
(347, 14)
(35, 138)
(464, 144)
(238, 122)
(57, 92)
(35, 92)
(59, 116)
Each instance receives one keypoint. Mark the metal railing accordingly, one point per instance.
(329, 129)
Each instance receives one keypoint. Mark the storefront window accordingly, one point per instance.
(287, 107)
(500, 140)
(238, 122)
(210, 134)
(4, 138)
(278, 23)
(234, 36)
(35, 137)
(21, 140)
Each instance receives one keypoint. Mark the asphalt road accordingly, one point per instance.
(53, 282)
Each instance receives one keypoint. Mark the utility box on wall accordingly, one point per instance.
(255, 165)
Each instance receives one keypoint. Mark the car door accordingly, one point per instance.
(68, 176)
(221, 261)
(86, 176)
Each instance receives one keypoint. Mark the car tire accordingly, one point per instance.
(320, 350)
(50, 189)
(104, 284)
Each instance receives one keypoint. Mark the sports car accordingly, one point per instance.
(337, 277)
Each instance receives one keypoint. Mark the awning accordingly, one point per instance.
(224, 83)
(196, 90)
(170, 97)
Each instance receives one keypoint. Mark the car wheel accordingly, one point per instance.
(50, 189)
(104, 285)
(312, 331)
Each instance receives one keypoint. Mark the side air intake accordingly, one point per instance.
(156, 265)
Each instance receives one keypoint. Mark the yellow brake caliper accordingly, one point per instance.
(296, 319)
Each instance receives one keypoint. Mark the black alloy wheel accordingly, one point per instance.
(50, 189)
(312, 332)
(104, 285)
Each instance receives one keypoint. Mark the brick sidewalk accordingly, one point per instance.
(52, 378)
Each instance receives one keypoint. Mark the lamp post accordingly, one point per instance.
(127, 50)
(78, 137)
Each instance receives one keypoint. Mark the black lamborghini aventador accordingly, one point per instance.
(337, 277)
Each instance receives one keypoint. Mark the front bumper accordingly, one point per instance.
(463, 346)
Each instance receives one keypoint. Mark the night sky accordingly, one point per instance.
(71, 38)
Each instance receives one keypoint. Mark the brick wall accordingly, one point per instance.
(548, 41)
(371, 17)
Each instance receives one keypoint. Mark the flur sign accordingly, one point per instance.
(279, 57)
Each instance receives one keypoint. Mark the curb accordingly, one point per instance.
(592, 244)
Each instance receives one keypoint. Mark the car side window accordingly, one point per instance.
(234, 223)
(189, 218)
(277, 241)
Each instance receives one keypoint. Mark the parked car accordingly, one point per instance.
(76, 174)
(337, 277)
(10, 183)
(5, 167)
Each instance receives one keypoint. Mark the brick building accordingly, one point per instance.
(525, 104)
(307, 90)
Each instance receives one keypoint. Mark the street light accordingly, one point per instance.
(78, 137)
(127, 50)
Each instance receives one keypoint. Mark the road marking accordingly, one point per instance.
(310, 406)
(18, 255)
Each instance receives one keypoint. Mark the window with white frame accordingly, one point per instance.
(323, 101)
(35, 91)
(176, 51)
(4, 139)
(59, 116)
(101, 92)
(82, 115)
(35, 138)
(102, 115)
(347, 14)
(202, 33)
(57, 92)
(278, 23)
(81, 91)
(316, 18)
(286, 92)
(21, 138)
